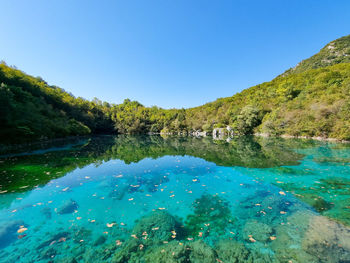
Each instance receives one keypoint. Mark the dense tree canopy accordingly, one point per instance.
(31, 109)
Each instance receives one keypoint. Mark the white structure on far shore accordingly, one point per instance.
(219, 133)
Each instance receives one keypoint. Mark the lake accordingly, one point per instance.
(175, 199)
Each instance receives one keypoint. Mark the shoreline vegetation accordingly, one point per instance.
(311, 100)
(286, 136)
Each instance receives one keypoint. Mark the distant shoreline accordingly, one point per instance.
(317, 138)
(6, 148)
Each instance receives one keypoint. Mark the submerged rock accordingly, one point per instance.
(287, 245)
(265, 207)
(48, 253)
(212, 216)
(46, 211)
(81, 233)
(169, 253)
(257, 230)
(317, 202)
(101, 254)
(66, 260)
(201, 252)
(119, 193)
(8, 231)
(177, 252)
(309, 237)
(232, 251)
(327, 240)
(53, 239)
(129, 252)
(340, 212)
(159, 226)
(151, 230)
(99, 241)
(68, 207)
(159, 238)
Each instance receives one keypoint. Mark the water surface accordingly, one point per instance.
(176, 199)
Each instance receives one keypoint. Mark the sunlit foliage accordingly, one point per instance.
(312, 99)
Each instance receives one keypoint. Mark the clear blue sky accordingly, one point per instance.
(169, 53)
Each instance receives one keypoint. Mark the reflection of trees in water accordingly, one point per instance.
(30, 170)
(240, 151)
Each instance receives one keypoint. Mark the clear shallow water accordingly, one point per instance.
(150, 199)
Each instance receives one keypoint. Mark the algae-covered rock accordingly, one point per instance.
(317, 202)
(67, 259)
(101, 255)
(48, 253)
(53, 239)
(151, 230)
(232, 251)
(289, 254)
(264, 207)
(212, 215)
(129, 252)
(177, 252)
(256, 230)
(158, 226)
(168, 253)
(201, 252)
(81, 233)
(340, 212)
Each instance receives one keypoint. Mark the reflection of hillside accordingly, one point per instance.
(25, 172)
(241, 151)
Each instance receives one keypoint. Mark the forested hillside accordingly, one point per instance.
(312, 99)
(335, 52)
(313, 103)
(31, 109)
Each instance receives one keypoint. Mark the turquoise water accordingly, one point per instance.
(154, 199)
